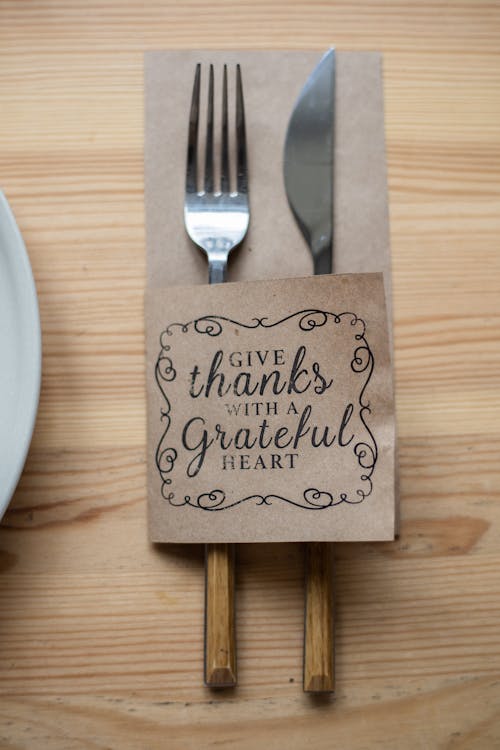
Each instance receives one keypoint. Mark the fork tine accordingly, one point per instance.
(209, 146)
(192, 154)
(224, 166)
(241, 148)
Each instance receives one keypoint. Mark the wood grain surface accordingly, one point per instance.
(101, 635)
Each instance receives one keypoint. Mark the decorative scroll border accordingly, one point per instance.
(312, 498)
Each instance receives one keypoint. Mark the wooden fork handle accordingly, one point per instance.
(319, 652)
(220, 641)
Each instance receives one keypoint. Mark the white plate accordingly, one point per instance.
(20, 354)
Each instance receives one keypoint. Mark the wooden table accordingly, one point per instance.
(101, 634)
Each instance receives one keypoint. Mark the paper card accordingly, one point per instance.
(270, 411)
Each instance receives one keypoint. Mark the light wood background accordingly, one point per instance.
(100, 634)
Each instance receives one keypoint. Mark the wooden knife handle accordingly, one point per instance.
(220, 641)
(319, 651)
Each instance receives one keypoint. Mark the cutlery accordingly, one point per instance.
(216, 218)
(308, 174)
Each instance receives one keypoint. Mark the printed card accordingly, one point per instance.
(270, 411)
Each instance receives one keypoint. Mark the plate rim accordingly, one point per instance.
(18, 253)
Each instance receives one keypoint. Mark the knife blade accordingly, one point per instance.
(308, 161)
(308, 173)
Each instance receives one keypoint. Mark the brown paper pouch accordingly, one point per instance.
(274, 247)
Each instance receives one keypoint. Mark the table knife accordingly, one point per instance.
(308, 173)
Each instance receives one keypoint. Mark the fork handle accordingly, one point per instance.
(319, 652)
(220, 641)
(217, 270)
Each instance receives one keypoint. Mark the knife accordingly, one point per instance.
(308, 173)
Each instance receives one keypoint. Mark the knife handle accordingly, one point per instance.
(220, 641)
(319, 651)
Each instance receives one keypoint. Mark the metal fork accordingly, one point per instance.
(216, 219)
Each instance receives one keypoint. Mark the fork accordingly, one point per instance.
(216, 219)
